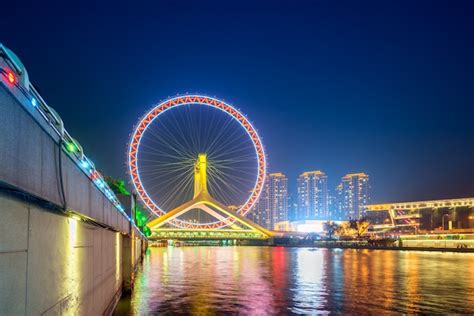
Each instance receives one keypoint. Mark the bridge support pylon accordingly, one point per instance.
(202, 200)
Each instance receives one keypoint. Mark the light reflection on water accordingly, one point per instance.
(276, 280)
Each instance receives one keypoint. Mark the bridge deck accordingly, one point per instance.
(182, 234)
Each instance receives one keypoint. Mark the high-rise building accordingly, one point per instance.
(272, 206)
(278, 188)
(338, 204)
(312, 196)
(352, 195)
(258, 213)
(332, 203)
(292, 208)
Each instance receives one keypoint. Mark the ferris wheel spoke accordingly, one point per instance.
(167, 149)
(239, 186)
(208, 127)
(148, 149)
(235, 151)
(227, 152)
(235, 163)
(194, 130)
(234, 178)
(178, 128)
(175, 185)
(184, 188)
(173, 138)
(217, 176)
(230, 140)
(171, 143)
(218, 136)
(238, 183)
(227, 195)
(153, 165)
(162, 175)
(221, 194)
(231, 167)
(164, 179)
(156, 163)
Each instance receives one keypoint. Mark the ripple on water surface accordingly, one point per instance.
(277, 280)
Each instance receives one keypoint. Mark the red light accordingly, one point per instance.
(95, 175)
(11, 77)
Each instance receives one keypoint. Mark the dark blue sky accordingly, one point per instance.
(383, 87)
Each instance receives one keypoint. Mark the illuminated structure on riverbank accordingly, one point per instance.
(166, 141)
(239, 226)
(435, 215)
(195, 138)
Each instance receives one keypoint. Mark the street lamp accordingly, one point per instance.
(442, 219)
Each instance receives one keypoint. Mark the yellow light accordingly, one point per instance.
(72, 271)
(118, 257)
(76, 217)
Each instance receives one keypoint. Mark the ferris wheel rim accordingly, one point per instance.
(183, 100)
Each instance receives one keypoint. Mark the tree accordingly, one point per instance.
(344, 229)
(330, 228)
(117, 185)
(360, 226)
(140, 217)
(147, 231)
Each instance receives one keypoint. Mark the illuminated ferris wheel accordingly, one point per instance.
(196, 147)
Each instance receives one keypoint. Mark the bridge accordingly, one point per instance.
(68, 244)
(239, 226)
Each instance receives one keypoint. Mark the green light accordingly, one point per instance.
(147, 231)
(71, 147)
(140, 218)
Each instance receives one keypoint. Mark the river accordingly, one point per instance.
(279, 281)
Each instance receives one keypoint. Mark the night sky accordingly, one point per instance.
(382, 87)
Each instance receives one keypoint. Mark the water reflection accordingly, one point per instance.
(274, 280)
(310, 292)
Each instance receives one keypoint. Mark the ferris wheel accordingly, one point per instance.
(178, 138)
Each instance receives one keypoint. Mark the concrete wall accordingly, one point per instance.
(55, 265)
(135, 248)
(29, 160)
(52, 263)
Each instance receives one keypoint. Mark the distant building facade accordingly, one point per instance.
(272, 206)
(332, 207)
(292, 208)
(258, 212)
(352, 196)
(338, 208)
(312, 196)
